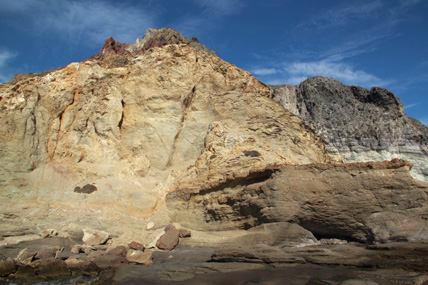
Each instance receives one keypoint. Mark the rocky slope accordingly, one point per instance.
(358, 124)
(125, 125)
(162, 131)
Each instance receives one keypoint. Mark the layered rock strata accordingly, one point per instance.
(366, 202)
(358, 124)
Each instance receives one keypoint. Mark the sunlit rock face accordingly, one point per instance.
(366, 202)
(358, 124)
(143, 135)
(134, 124)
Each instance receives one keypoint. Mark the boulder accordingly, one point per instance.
(117, 251)
(7, 266)
(48, 252)
(50, 267)
(169, 240)
(136, 245)
(139, 257)
(26, 256)
(94, 237)
(76, 265)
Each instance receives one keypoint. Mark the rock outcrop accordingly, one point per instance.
(366, 202)
(358, 124)
(163, 132)
(133, 132)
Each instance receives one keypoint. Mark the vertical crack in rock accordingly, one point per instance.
(121, 118)
(187, 103)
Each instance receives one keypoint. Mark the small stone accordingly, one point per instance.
(150, 226)
(93, 237)
(26, 256)
(139, 257)
(136, 245)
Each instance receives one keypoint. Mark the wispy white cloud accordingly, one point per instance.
(84, 22)
(297, 71)
(332, 39)
(345, 14)
(5, 56)
(409, 106)
(339, 70)
(264, 71)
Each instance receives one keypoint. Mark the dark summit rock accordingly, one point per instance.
(357, 124)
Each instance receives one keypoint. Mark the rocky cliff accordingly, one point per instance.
(133, 122)
(358, 124)
(143, 135)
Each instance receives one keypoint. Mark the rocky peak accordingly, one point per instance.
(358, 124)
(152, 38)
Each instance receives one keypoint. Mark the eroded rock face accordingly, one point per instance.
(144, 135)
(137, 126)
(356, 123)
(376, 201)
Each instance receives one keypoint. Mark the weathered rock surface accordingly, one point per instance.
(134, 131)
(358, 124)
(374, 201)
(144, 135)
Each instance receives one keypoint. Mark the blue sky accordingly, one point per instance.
(367, 43)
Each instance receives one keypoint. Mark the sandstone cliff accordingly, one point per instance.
(375, 201)
(358, 124)
(130, 124)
